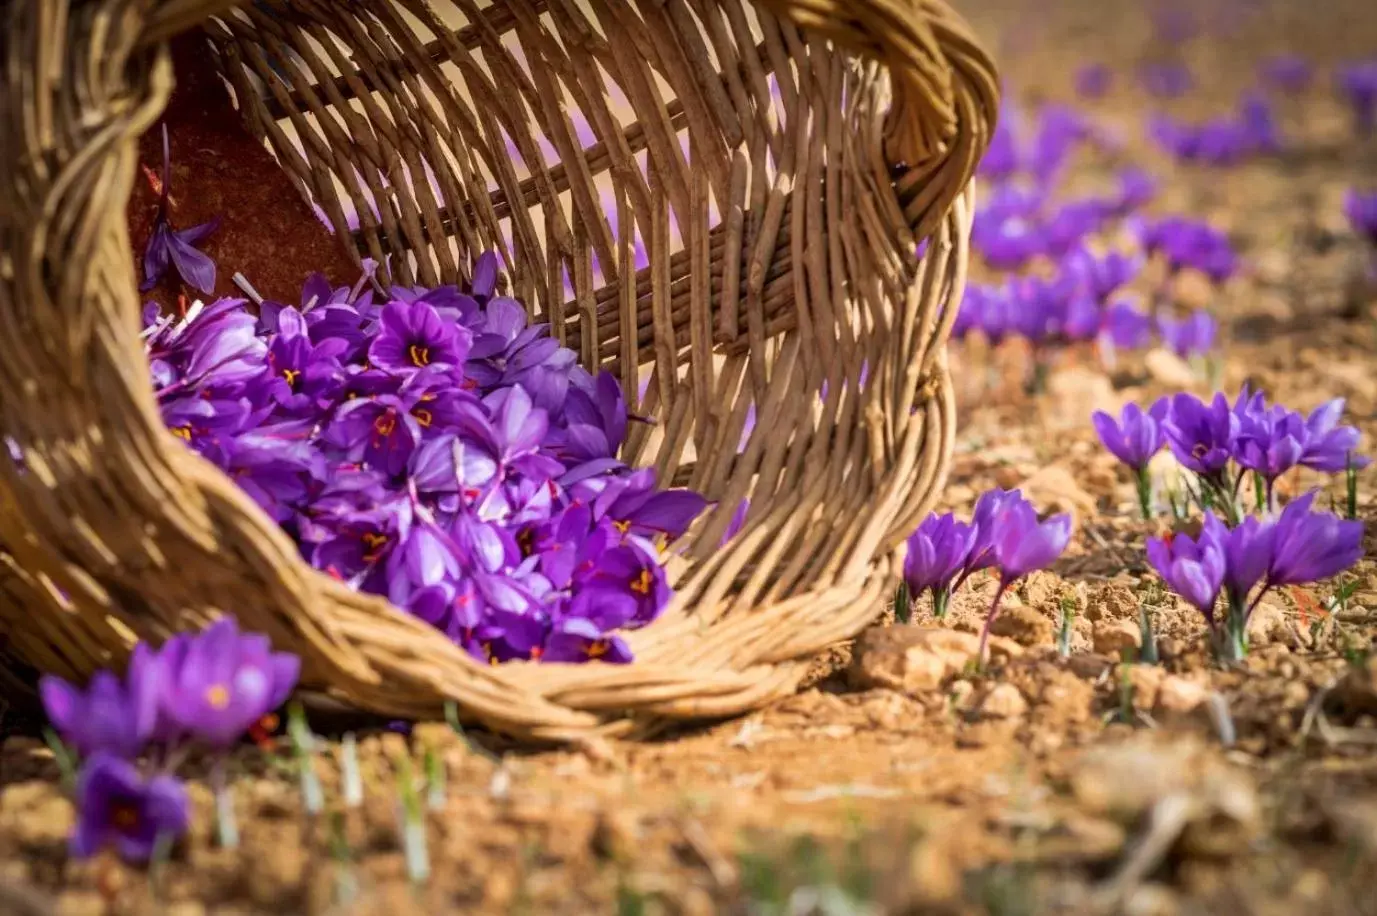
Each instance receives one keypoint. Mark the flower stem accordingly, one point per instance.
(1351, 479)
(1149, 653)
(941, 598)
(226, 823)
(903, 604)
(1145, 493)
(989, 621)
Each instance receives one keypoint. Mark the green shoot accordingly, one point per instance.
(903, 604)
(64, 758)
(351, 779)
(1068, 621)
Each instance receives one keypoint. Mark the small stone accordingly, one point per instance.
(1114, 637)
(35, 815)
(1003, 702)
(614, 836)
(917, 659)
(1145, 681)
(1090, 665)
(1268, 625)
(1024, 626)
(81, 903)
(1112, 601)
(1179, 696)
(1169, 369)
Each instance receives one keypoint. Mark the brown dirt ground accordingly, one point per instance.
(1079, 788)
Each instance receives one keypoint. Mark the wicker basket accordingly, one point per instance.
(800, 148)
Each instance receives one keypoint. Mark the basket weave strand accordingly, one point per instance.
(730, 193)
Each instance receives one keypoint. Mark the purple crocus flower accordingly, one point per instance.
(117, 807)
(1361, 209)
(937, 553)
(1022, 544)
(1289, 73)
(1166, 80)
(110, 716)
(177, 248)
(225, 681)
(1124, 327)
(1329, 447)
(1102, 276)
(1357, 83)
(1194, 569)
(1311, 546)
(1258, 124)
(575, 639)
(1136, 436)
(1093, 80)
(1191, 336)
(1201, 436)
(413, 336)
(379, 431)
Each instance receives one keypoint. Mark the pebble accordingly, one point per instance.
(1179, 696)
(1003, 702)
(1114, 637)
(1023, 625)
(916, 659)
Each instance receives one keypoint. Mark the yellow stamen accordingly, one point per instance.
(642, 583)
(182, 432)
(423, 417)
(597, 649)
(218, 696)
(420, 356)
(622, 527)
(385, 424)
(291, 375)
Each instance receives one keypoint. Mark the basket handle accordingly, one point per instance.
(945, 85)
(174, 16)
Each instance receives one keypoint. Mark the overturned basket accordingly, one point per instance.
(801, 148)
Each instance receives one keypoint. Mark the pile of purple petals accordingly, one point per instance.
(1223, 141)
(1004, 535)
(1245, 562)
(206, 690)
(1222, 443)
(436, 450)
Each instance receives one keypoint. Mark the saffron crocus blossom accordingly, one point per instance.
(1201, 436)
(1193, 568)
(117, 808)
(1022, 544)
(937, 552)
(1357, 84)
(1330, 447)
(1135, 439)
(1289, 73)
(222, 681)
(1166, 80)
(1270, 442)
(1361, 209)
(1102, 276)
(168, 246)
(1189, 337)
(415, 337)
(1311, 546)
(111, 716)
(1093, 80)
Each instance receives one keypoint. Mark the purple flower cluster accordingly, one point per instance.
(1298, 547)
(1166, 79)
(1221, 442)
(1004, 534)
(1220, 141)
(434, 449)
(209, 689)
(1186, 243)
